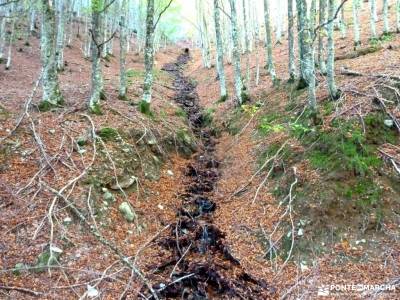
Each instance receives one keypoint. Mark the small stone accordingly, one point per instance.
(52, 131)
(388, 123)
(170, 173)
(160, 206)
(67, 221)
(127, 211)
(303, 266)
(92, 292)
(124, 183)
(108, 197)
(152, 142)
(300, 232)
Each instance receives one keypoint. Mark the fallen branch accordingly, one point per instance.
(19, 289)
(348, 72)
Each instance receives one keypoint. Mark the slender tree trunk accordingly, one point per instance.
(2, 38)
(60, 35)
(148, 59)
(343, 25)
(398, 15)
(10, 43)
(246, 44)
(220, 52)
(51, 91)
(268, 42)
(386, 27)
(356, 23)
(372, 5)
(32, 20)
(292, 63)
(301, 19)
(321, 34)
(96, 47)
(333, 91)
(123, 41)
(236, 54)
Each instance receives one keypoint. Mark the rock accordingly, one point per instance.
(170, 173)
(127, 211)
(124, 183)
(300, 232)
(92, 292)
(52, 131)
(108, 197)
(388, 123)
(152, 142)
(67, 221)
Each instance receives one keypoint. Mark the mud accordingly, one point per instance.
(200, 265)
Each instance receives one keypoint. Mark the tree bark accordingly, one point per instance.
(52, 96)
(236, 54)
(148, 59)
(220, 52)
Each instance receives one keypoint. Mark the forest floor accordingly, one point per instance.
(248, 202)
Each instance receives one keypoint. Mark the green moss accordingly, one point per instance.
(365, 193)
(47, 105)
(387, 37)
(95, 109)
(181, 113)
(103, 95)
(342, 148)
(123, 97)
(208, 116)
(222, 99)
(376, 131)
(144, 108)
(108, 133)
(245, 96)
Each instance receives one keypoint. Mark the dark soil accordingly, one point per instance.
(200, 265)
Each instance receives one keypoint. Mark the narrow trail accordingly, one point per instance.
(200, 265)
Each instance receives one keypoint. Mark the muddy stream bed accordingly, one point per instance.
(200, 266)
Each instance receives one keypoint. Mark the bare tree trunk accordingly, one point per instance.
(268, 42)
(292, 63)
(398, 15)
(333, 91)
(52, 96)
(321, 34)
(97, 44)
(236, 54)
(386, 27)
(60, 35)
(356, 21)
(220, 52)
(123, 41)
(372, 4)
(148, 59)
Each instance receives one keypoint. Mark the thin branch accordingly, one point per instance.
(161, 13)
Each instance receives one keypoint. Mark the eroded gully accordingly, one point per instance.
(200, 265)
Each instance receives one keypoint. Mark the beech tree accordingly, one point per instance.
(333, 91)
(220, 51)
(97, 90)
(52, 96)
(356, 22)
(123, 46)
(268, 42)
(386, 27)
(236, 53)
(292, 64)
(373, 18)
